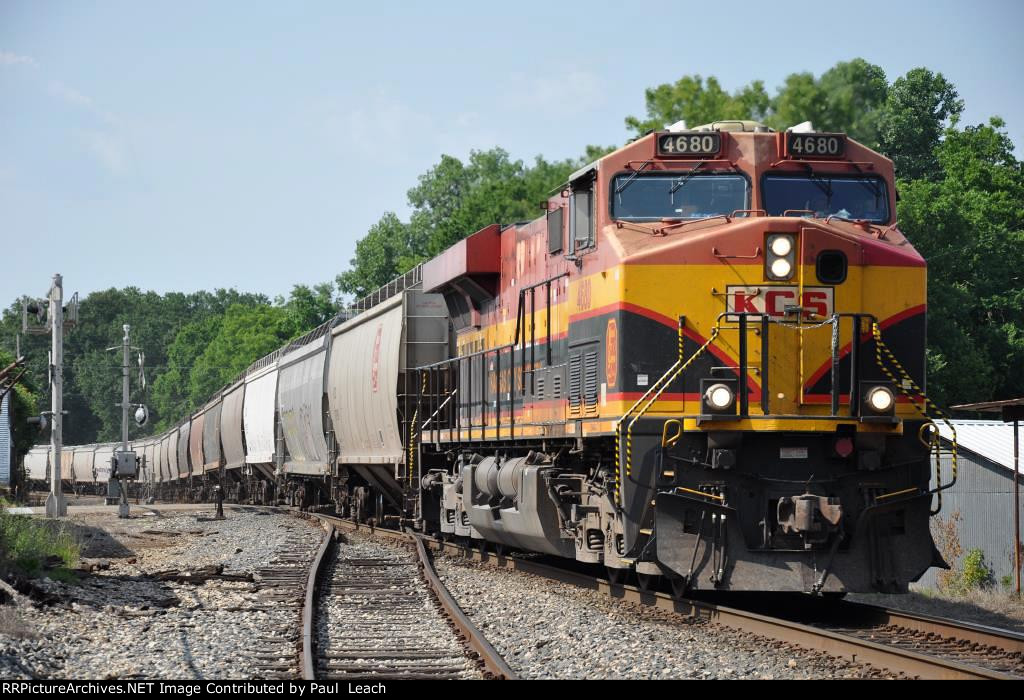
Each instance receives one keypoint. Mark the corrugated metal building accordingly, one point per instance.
(6, 446)
(983, 493)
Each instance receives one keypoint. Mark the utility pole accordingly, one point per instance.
(123, 508)
(125, 461)
(56, 506)
(54, 322)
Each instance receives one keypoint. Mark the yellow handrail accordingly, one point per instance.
(665, 440)
(651, 396)
(412, 429)
(933, 443)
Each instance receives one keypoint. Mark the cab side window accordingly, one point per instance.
(555, 230)
(581, 212)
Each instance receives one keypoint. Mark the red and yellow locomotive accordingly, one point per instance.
(704, 362)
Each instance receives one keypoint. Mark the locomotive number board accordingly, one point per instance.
(689, 143)
(815, 145)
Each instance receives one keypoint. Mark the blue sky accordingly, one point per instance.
(190, 145)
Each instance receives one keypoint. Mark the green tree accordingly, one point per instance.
(172, 398)
(24, 403)
(92, 374)
(244, 334)
(919, 107)
(386, 251)
(848, 97)
(593, 152)
(308, 307)
(699, 102)
(452, 200)
(967, 220)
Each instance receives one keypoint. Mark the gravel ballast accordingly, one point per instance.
(376, 615)
(546, 629)
(121, 622)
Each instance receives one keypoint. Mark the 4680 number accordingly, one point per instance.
(689, 144)
(816, 145)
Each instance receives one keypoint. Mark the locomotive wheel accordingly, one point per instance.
(647, 582)
(680, 587)
(615, 576)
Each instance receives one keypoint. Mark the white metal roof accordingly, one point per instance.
(991, 439)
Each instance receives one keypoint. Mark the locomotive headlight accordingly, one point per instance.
(781, 268)
(880, 399)
(780, 257)
(781, 245)
(719, 397)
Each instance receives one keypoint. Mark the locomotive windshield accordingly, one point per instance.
(821, 196)
(652, 197)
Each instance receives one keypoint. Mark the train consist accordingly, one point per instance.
(704, 361)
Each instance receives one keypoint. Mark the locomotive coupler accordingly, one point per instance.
(812, 517)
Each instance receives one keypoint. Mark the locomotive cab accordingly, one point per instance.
(773, 315)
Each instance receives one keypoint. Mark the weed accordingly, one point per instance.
(976, 573)
(32, 544)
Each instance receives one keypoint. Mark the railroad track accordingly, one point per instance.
(376, 612)
(281, 589)
(916, 645)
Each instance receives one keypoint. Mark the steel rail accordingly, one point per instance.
(846, 646)
(837, 644)
(494, 664)
(492, 660)
(1006, 640)
(309, 608)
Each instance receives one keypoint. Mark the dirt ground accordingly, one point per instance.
(996, 608)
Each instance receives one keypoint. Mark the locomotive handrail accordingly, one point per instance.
(661, 231)
(923, 407)
(435, 404)
(413, 434)
(807, 165)
(755, 256)
(651, 396)
(934, 444)
(667, 441)
(433, 415)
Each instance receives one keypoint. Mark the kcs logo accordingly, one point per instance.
(774, 300)
(611, 352)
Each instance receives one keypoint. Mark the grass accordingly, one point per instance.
(27, 544)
